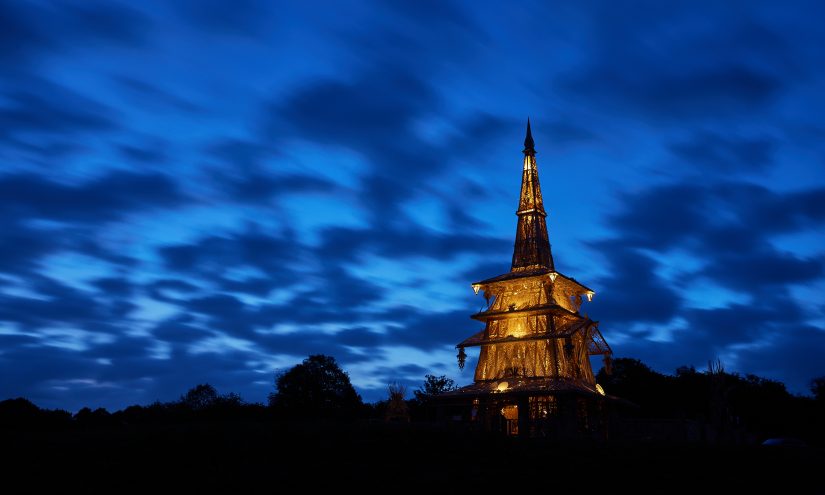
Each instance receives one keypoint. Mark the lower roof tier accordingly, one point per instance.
(541, 309)
(544, 385)
(596, 345)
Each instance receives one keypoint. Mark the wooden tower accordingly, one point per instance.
(533, 374)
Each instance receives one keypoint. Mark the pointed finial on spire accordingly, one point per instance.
(529, 148)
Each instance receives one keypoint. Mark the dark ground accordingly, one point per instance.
(273, 457)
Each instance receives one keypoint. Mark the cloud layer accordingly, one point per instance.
(194, 194)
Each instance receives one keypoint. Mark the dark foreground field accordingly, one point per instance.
(274, 457)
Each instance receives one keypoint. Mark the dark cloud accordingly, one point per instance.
(763, 268)
(349, 244)
(180, 330)
(371, 113)
(258, 286)
(109, 197)
(22, 247)
(428, 36)
(403, 326)
(655, 70)
(431, 331)
(660, 217)
(374, 115)
(714, 217)
(633, 292)
(32, 29)
(728, 229)
(20, 36)
(174, 285)
(346, 291)
(792, 354)
(779, 212)
(741, 323)
(213, 254)
(711, 93)
(565, 131)
(60, 377)
(151, 96)
(104, 22)
(244, 154)
(124, 348)
(149, 153)
(246, 18)
(32, 368)
(43, 108)
(359, 337)
(242, 173)
(59, 306)
(304, 343)
(723, 153)
(406, 91)
(259, 186)
(114, 285)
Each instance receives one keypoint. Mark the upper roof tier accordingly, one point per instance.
(551, 275)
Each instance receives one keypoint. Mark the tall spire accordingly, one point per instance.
(532, 247)
(529, 145)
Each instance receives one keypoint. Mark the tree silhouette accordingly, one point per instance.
(200, 397)
(98, 417)
(22, 413)
(316, 388)
(434, 385)
(818, 388)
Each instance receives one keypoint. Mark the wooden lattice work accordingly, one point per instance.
(533, 329)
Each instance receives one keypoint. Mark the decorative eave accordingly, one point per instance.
(552, 275)
(584, 289)
(542, 309)
(478, 339)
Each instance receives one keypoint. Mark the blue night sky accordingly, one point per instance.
(209, 191)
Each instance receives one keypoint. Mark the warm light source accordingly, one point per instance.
(503, 386)
(590, 295)
(599, 389)
(553, 276)
(476, 287)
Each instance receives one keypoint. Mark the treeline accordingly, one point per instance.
(318, 389)
(728, 401)
(201, 403)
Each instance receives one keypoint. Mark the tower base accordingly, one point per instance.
(529, 411)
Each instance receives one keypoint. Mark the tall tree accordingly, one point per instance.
(316, 388)
(200, 397)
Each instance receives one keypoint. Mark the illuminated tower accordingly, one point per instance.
(533, 374)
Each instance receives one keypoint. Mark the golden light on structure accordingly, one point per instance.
(533, 332)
